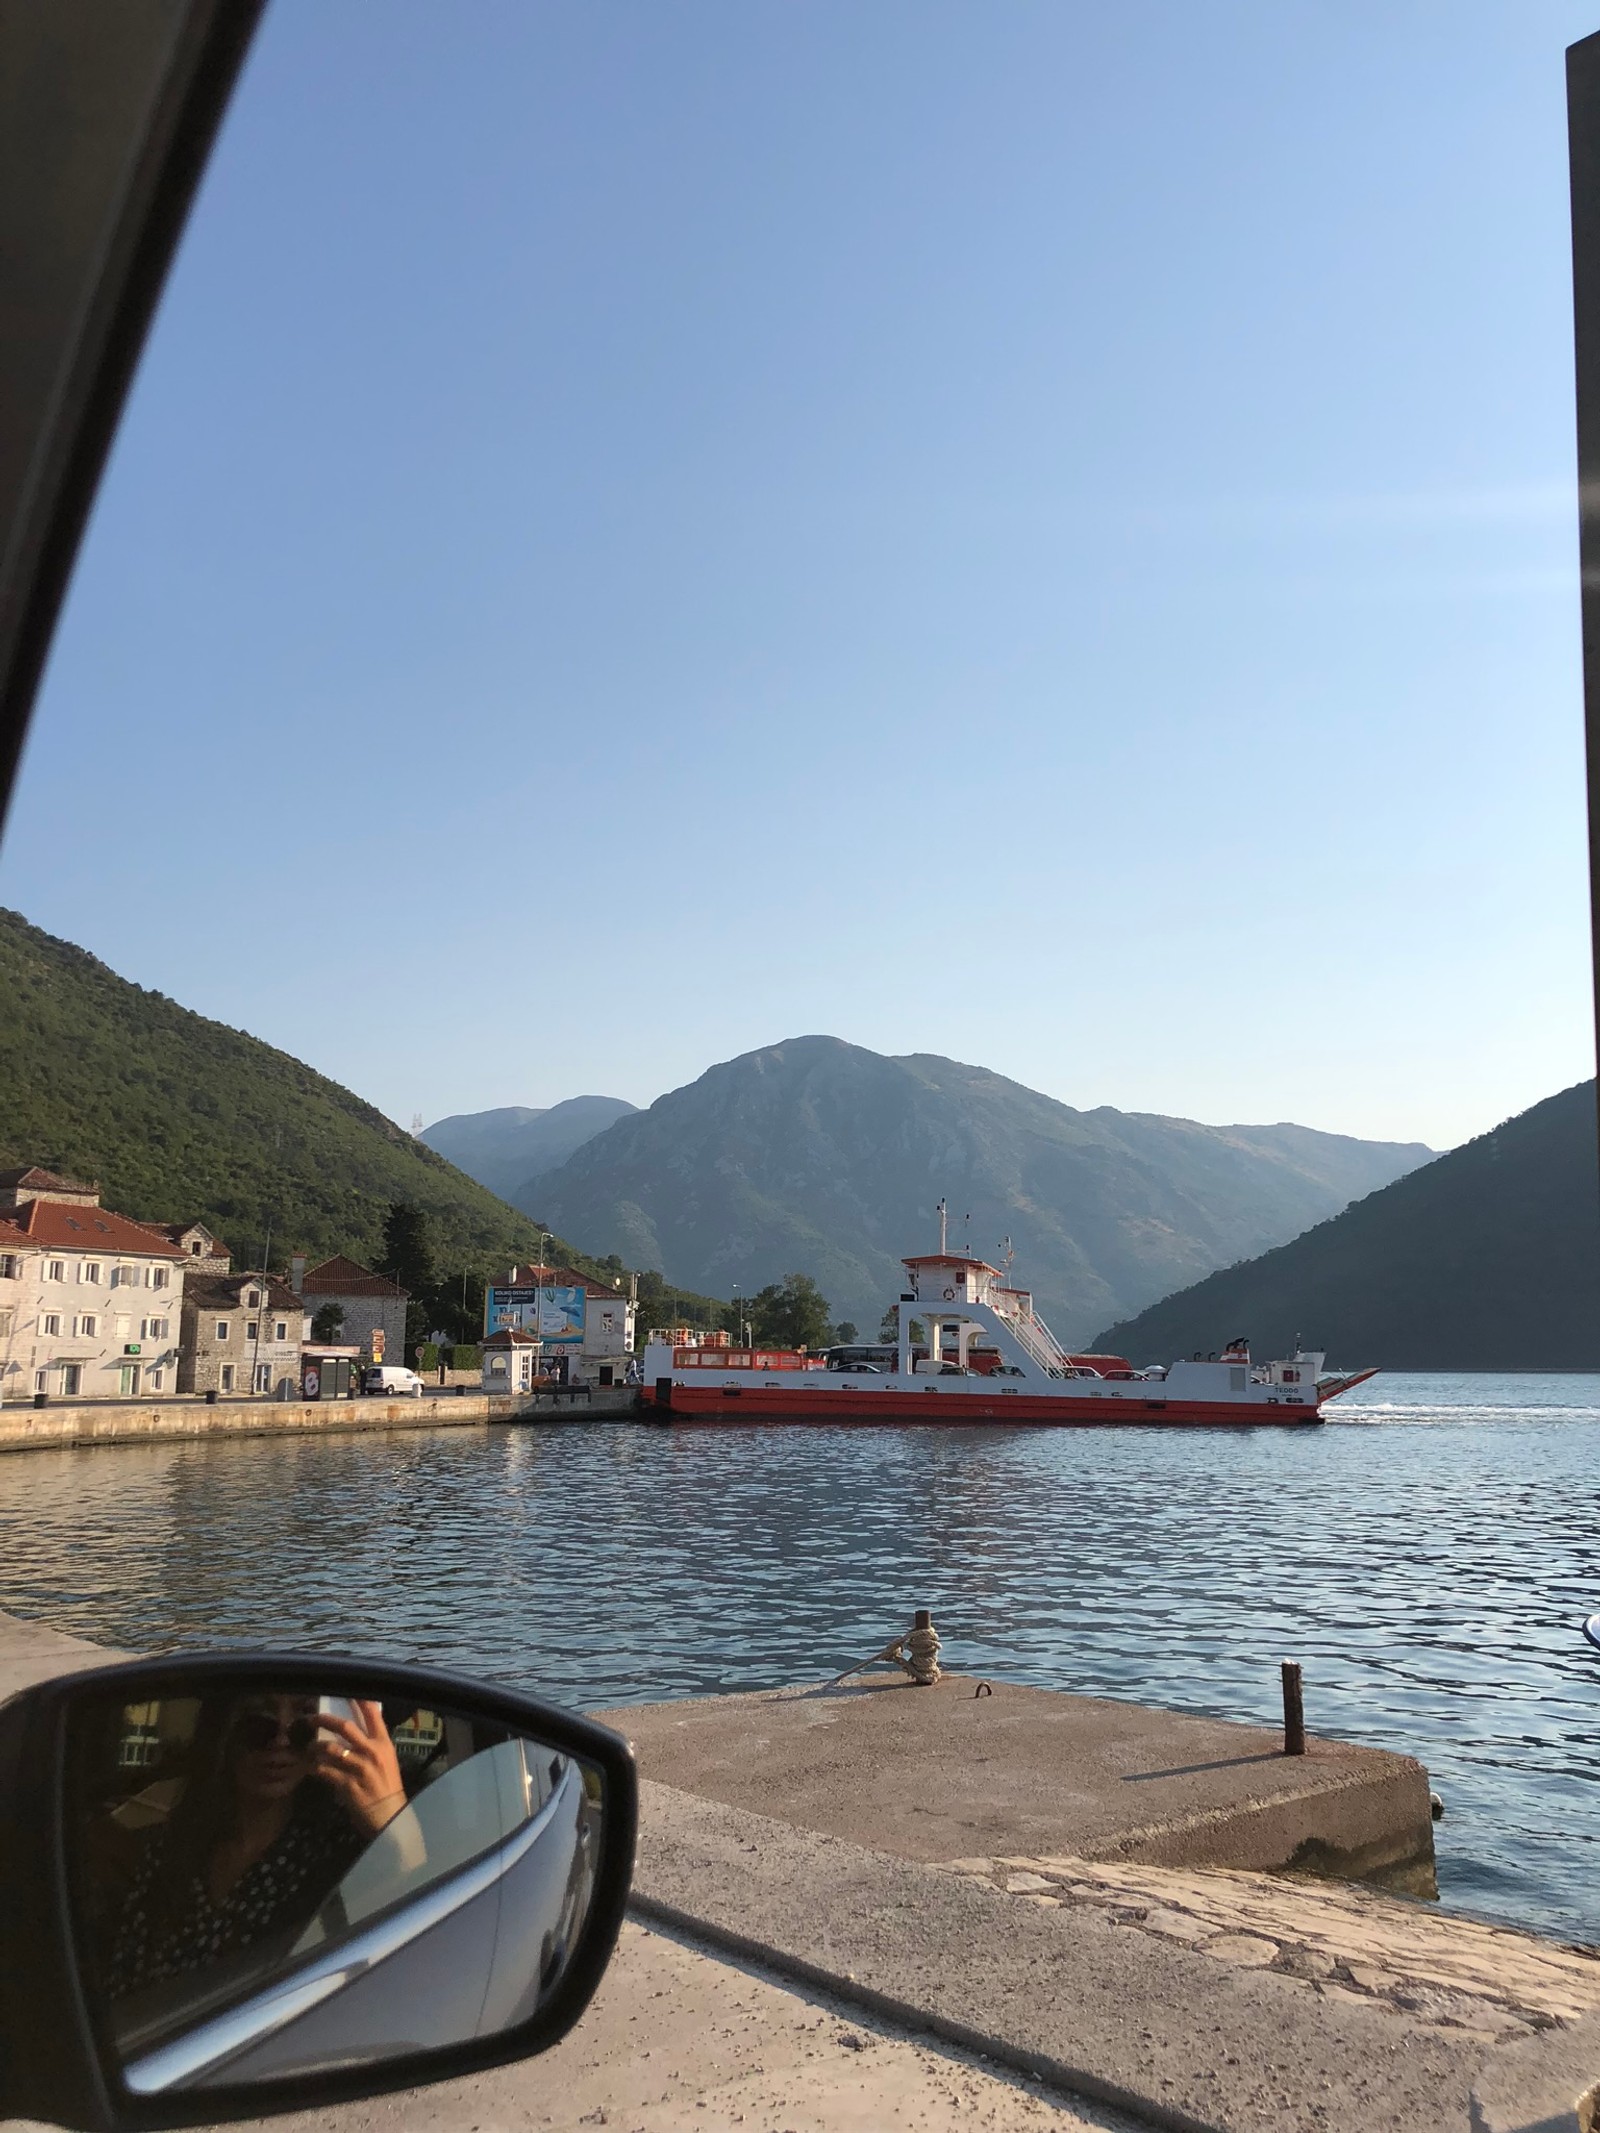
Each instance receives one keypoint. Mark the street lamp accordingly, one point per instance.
(538, 1304)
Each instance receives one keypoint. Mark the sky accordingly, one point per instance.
(1039, 532)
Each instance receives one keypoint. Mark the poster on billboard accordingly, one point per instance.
(561, 1314)
(553, 1313)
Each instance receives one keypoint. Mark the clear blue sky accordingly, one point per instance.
(1040, 532)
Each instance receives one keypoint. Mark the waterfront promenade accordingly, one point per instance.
(74, 1422)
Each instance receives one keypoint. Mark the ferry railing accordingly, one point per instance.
(1036, 1340)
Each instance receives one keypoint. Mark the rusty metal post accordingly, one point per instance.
(1294, 1710)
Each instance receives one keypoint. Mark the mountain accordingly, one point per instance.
(511, 1147)
(1486, 1259)
(820, 1157)
(180, 1117)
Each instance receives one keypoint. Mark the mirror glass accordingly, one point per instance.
(270, 1882)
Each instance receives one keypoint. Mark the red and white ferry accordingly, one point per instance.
(971, 1348)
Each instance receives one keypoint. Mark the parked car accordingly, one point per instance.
(392, 1378)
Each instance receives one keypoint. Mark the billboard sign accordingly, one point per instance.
(552, 1313)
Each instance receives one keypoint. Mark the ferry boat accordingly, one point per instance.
(970, 1348)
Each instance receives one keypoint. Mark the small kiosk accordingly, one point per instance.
(330, 1373)
(510, 1361)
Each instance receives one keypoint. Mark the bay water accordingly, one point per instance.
(1428, 1555)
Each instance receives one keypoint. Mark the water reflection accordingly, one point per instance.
(1427, 1557)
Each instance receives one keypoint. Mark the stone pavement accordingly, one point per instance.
(1340, 1941)
(676, 2042)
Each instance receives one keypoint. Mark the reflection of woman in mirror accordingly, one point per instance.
(281, 1798)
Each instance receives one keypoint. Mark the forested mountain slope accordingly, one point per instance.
(180, 1117)
(824, 1158)
(1486, 1259)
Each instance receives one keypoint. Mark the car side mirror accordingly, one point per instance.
(258, 1882)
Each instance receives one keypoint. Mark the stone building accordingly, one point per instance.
(373, 1306)
(90, 1301)
(203, 1252)
(242, 1333)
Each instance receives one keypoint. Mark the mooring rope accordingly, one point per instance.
(916, 1653)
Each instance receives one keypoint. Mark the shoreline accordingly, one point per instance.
(64, 1424)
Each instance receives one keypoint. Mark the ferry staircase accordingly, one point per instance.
(1037, 1342)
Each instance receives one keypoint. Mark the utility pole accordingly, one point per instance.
(266, 1298)
(1583, 148)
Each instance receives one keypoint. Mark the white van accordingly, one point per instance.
(392, 1377)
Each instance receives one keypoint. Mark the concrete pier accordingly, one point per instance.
(947, 1773)
(1190, 1996)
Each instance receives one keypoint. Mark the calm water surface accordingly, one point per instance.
(1428, 1556)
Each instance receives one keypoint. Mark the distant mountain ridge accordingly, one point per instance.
(1487, 1258)
(825, 1158)
(513, 1146)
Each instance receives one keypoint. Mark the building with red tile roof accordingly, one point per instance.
(372, 1306)
(30, 1182)
(90, 1300)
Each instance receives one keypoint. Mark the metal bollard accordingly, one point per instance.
(1294, 1712)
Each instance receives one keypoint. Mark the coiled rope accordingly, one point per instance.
(915, 1653)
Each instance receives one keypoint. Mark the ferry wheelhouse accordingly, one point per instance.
(971, 1348)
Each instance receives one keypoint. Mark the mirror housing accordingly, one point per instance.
(461, 1923)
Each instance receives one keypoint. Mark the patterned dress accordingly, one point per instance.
(279, 1891)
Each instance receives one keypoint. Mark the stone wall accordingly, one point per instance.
(71, 1422)
(363, 1315)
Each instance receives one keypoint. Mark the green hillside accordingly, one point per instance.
(181, 1118)
(1486, 1259)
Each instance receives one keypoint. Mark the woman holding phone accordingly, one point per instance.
(282, 1796)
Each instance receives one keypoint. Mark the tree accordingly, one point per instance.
(457, 1305)
(661, 1305)
(408, 1247)
(846, 1331)
(792, 1313)
(407, 1258)
(889, 1329)
(327, 1325)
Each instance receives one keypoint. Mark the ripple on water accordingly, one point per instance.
(1427, 1557)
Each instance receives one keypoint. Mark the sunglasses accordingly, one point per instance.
(259, 1729)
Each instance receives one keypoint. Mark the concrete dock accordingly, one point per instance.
(1019, 1987)
(946, 1773)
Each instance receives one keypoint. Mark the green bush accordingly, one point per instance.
(463, 1357)
(429, 1362)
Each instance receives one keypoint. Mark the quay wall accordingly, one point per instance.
(85, 1422)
